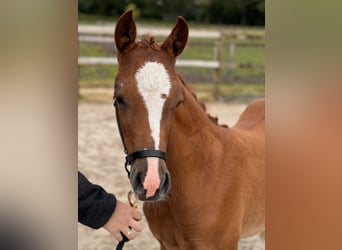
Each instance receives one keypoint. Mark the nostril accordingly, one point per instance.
(165, 186)
(137, 183)
(140, 180)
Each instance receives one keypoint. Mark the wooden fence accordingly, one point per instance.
(104, 34)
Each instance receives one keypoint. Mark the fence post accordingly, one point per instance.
(231, 57)
(216, 72)
(231, 52)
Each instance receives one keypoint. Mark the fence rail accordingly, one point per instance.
(109, 31)
(104, 34)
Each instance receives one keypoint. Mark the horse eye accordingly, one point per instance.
(178, 104)
(119, 100)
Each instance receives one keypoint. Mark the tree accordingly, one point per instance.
(237, 12)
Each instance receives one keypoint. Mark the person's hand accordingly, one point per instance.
(125, 219)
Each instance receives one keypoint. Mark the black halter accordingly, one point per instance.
(137, 154)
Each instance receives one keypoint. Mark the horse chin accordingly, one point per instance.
(156, 197)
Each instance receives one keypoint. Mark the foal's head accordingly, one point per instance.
(147, 92)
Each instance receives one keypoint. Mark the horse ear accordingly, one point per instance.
(176, 41)
(125, 32)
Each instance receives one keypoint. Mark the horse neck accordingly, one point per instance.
(191, 117)
(193, 134)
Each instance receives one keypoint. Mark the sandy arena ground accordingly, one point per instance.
(101, 159)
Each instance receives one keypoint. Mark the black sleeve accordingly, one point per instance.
(95, 205)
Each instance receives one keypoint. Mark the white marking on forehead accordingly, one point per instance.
(153, 81)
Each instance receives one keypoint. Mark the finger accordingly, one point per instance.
(130, 234)
(137, 215)
(136, 226)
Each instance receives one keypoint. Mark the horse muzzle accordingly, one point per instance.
(150, 178)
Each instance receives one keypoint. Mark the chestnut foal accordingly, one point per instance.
(203, 184)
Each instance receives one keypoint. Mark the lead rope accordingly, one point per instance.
(122, 243)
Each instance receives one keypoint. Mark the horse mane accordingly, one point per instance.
(147, 41)
(201, 104)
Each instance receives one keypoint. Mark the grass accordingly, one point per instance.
(245, 52)
(91, 49)
(102, 75)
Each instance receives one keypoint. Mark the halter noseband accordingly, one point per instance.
(137, 154)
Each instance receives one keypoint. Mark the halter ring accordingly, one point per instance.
(132, 199)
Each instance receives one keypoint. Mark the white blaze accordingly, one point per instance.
(153, 81)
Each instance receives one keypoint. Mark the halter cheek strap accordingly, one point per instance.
(137, 154)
